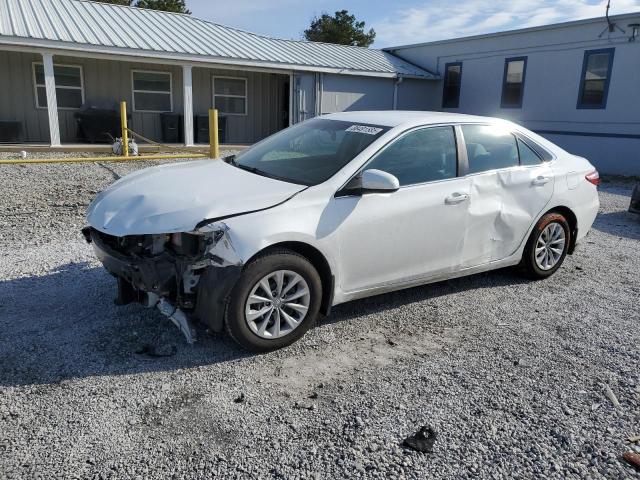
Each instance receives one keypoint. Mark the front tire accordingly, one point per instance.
(275, 301)
(547, 246)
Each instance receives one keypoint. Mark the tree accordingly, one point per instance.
(177, 6)
(342, 29)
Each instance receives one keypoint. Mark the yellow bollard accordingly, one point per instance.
(214, 146)
(125, 133)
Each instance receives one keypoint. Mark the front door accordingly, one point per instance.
(417, 231)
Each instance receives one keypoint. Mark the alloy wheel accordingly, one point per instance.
(277, 304)
(550, 246)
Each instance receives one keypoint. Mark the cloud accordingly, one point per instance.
(442, 19)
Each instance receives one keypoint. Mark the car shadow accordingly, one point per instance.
(399, 298)
(64, 325)
(619, 224)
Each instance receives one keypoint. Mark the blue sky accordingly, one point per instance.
(399, 22)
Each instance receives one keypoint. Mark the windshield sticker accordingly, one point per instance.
(364, 129)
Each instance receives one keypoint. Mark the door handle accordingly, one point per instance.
(456, 198)
(539, 181)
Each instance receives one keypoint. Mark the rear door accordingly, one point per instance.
(509, 187)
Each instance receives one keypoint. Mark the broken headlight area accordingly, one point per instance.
(186, 275)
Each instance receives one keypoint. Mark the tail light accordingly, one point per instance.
(593, 177)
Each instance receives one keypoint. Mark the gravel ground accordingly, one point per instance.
(508, 372)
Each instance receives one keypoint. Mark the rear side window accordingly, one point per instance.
(424, 155)
(527, 155)
(489, 148)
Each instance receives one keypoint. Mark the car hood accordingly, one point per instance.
(176, 197)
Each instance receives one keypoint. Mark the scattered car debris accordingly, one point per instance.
(634, 439)
(240, 399)
(157, 351)
(610, 395)
(632, 458)
(422, 440)
(304, 406)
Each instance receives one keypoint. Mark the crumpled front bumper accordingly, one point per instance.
(152, 280)
(155, 274)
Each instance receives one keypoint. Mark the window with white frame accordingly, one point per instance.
(69, 86)
(230, 95)
(151, 91)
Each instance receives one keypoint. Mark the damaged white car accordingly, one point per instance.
(338, 208)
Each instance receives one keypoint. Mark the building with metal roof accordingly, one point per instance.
(576, 83)
(66, 55)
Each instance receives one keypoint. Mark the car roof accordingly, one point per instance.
(394, 118)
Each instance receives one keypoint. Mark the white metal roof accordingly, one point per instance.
(113, 29)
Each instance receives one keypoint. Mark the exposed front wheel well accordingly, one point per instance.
(573, 224)
(319, 262)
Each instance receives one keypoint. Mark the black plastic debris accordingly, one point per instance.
(422, 440)
(157, 351)
(240, 399)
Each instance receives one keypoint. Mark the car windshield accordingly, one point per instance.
(309, 153)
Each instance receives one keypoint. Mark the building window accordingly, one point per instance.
(513, 82)
(594, 82)
(230, 95)
(452, 83)
(69, 86)
(152, 91)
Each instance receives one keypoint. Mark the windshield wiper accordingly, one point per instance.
(262, 173)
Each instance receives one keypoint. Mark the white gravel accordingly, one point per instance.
(507, 371)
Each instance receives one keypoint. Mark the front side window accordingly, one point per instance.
(489, 148)
(452, 84)
(69, 85)
(230, 95)
(309, 153)
(152, 91)
(596, 73)
(513, 82)
(424, 155)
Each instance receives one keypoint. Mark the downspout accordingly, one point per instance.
(395, 91)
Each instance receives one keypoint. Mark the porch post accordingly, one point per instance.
(291, 98)
(187, 82)
(52, 101)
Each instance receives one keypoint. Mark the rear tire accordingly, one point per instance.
(275, 302)
(547, 246)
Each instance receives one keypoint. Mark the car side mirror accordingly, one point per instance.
(370, 181)
(377, 181)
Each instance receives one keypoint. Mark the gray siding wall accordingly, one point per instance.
(109, 82)
(419, 95)
(342, 93)
(552, 82)
(265, 103)
(17, 96)
(345, 92)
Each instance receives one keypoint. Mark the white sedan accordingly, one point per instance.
(336, 208)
